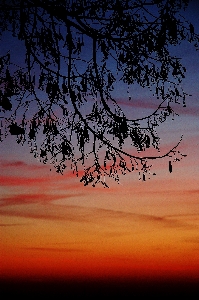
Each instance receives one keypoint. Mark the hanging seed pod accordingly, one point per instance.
(144, 177)
(170, 166)
(5, 103)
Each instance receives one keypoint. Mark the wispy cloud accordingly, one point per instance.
(138, 103)
(14, 180)
(108, 217)
(51, 249)
(69, 214)
(13, 224)
(20, 164)
(190, 110)
(10, 164)
(194, 240)
(192, 192)
(152, 104)
(21, 181)
(166, 221)
(33, 198)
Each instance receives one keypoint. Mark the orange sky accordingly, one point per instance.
(52, 226)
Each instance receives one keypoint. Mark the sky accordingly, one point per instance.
(52, 228)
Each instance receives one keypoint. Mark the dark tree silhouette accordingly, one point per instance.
(62, 98)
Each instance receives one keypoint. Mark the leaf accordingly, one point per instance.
(191, 28)
(8, 77)
(6, 104)
(66, 148)
(16, 130)
(64, 88)
(43, 153)
(33, 129)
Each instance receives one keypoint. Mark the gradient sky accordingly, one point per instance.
(51, 226)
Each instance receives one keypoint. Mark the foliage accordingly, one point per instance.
(61, 98)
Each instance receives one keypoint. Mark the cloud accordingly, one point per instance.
(52, 212)
(9, 164)
(40, 206)
(51, 249)
(194, 240)
(13, 224)
(20, 173)
(171, 192)
(33, 198)
(32, 215)
(21, 181)
(173, 221)
(19, 164)
(193, 192)
(185, 215)
(168, 221)
(139, 103)
(191, 110)
(14, 180)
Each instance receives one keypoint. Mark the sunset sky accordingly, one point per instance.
(54, 228)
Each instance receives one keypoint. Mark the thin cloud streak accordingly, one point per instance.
(36, 215)
(11, 225)
(21, 181)
(53, 249)
(82, 214)
(43, 176)
(167, 221)
(19, 164)
(34, 198)
(32, 181)
(192, 240)
(148, 104)
(10, 164)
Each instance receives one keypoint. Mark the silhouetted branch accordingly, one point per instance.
(62, 98)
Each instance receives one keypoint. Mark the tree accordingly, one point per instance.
(61, 98)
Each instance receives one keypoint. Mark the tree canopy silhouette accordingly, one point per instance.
(60, 96)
